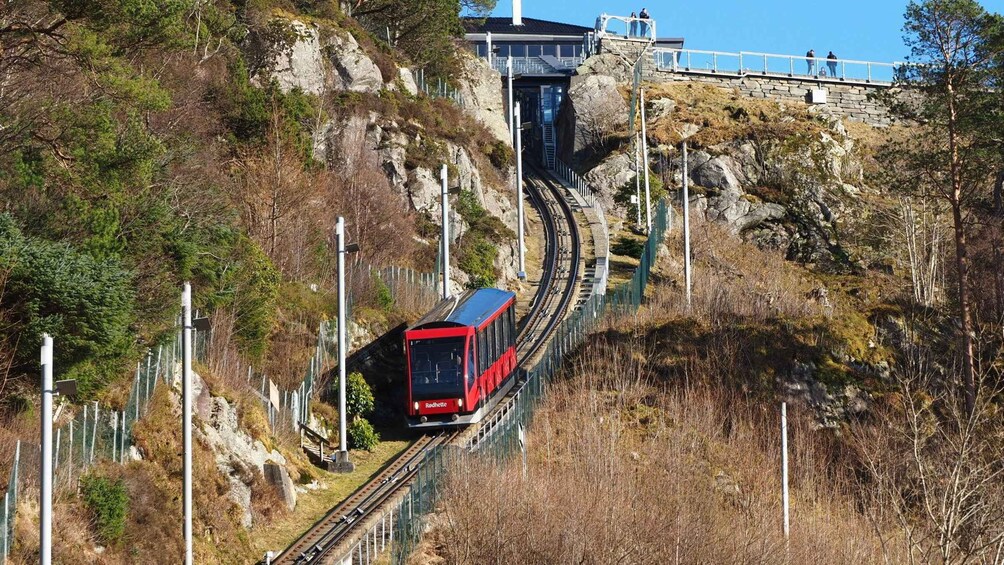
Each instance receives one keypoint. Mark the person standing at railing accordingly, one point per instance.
(643, 24)
(831, 63)
(634, 25)
(810, 61)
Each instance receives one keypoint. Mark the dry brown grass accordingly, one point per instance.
(625, 471)
(725, 115)
(731, 280)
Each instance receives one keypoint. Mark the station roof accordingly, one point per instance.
(531, 26)
(471, 308)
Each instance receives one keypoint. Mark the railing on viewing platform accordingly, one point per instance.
(537, 65)
(626, 27)
(745, 63)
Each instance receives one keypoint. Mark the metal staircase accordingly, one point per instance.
(549, 145)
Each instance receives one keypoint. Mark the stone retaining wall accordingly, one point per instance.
(847, 98)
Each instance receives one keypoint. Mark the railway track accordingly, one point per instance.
(555, 294)
(561, 268)
(346, 518)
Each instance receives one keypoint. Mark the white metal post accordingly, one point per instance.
(509, 107)
(45, 489)
(342, 463)
(445, 237)
(784, 466)
(186, 413)
(686, 224)
(644, 153)
(517, 121)
(637, 177)
(491, 56)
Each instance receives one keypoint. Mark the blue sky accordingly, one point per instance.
(869, 30)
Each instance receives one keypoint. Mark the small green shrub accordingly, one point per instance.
(358, 396)
(384, 297)
(362, 435)
(477, 259)
(108, 501)
(628, 247)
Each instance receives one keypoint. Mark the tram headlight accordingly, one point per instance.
(460, 403)
(416, 407)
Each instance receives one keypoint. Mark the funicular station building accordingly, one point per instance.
(544, 56)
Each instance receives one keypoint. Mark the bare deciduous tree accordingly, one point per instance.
(938, 470)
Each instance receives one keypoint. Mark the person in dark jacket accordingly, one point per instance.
(810, 61)
(831, 63)
(643, 24)
(634, 25)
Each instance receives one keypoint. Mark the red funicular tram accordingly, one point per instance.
(461, 356)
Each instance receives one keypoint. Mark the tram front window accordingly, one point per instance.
(437, 368)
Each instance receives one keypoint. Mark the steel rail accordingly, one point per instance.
(338, 523)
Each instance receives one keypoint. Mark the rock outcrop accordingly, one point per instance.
(301, 64)
(237, 455)
(353, 69)
(482, 96)
(592, 114)
(314, 60)
(607, 64)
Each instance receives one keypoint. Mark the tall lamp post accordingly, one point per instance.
(518, 128)
(644, 153)
(444, 239)
(342, 463)
(637, 180)
(49, 389)
(186, 413)
(45, 488)
(510, 112)
(686, 224)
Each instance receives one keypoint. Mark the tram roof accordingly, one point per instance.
(471, 308)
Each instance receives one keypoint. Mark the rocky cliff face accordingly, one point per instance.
(779, 175)
(324, 61)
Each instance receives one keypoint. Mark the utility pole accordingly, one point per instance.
(445, 237)
(186, 413)
(45, 489)
(490, 54)
(686, 224)
(637, 178)
(510, 108)
(644, 153)
(518, 127)
(784, 467)
(342, 463)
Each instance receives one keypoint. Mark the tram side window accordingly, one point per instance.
(512, 323)
(509, 329)
(488, 345)
(483, 348)
(498, 337)
(505, 330)
(472, 366)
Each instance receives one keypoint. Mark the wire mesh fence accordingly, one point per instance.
(401, 526)
(10, 505)
(438, 88)
(93, 433)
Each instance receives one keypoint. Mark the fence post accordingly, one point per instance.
(69, 470)
(94, 431)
